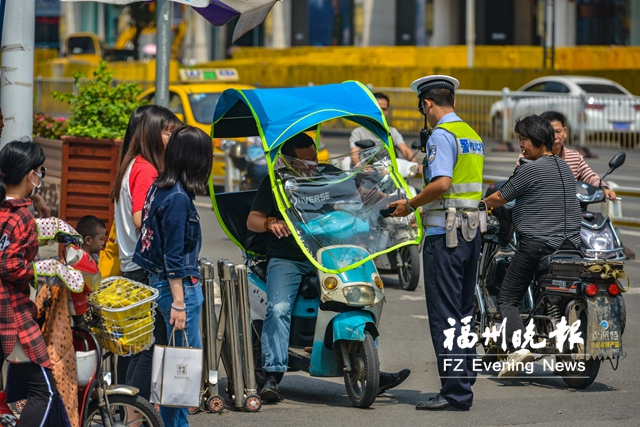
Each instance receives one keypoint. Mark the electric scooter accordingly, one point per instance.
(333, 215)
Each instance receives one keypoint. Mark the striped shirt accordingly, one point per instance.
(546, 206)
(580, 168)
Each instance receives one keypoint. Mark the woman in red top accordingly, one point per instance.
(139, 168)
(29, 374)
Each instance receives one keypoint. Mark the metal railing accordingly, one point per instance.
(47, 86)
(605, 121)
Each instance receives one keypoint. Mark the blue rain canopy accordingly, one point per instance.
(278, 114)
(328, 205)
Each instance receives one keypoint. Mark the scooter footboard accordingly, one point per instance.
(351, 326)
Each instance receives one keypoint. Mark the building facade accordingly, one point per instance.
(373, 23)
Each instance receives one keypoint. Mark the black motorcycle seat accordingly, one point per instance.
(544, 266)
(309, 287)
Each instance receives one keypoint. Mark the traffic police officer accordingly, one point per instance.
(449, 201)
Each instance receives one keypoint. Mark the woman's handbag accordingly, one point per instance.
(109, 261)
(176, 374)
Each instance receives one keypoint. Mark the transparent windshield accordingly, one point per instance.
(338, 204)
(203, 105)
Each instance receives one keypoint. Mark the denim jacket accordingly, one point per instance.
(170, 237)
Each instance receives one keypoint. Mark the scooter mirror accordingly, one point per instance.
(617, 161)
(415, 145)
(365, 143)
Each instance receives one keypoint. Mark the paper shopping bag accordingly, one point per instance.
(156, 373)
(176, 375)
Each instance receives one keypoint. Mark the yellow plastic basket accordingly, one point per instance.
(127, 311)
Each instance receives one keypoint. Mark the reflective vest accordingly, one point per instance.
(466, 183)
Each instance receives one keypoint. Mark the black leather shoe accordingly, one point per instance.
(390, 380)
(270, 391)
(438, 403)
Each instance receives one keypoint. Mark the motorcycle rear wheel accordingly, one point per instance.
(409, 270)
(364, 378)
(577, 378)
(118, 405)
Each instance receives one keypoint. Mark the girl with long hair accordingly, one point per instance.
(140, 166)
(171, 239)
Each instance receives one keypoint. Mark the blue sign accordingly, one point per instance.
(47, 7)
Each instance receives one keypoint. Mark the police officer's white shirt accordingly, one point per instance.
(442, 154)
(360, 134)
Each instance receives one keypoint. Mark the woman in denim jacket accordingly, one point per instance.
(170, 240)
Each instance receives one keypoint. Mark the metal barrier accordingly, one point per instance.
(227, 338)
(606, 121)
(47, 86)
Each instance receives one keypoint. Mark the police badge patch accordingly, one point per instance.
(432, 153)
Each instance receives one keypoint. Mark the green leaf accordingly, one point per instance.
(98, 108)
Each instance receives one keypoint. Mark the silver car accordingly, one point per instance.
(597, 105)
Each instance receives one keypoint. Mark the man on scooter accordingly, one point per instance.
(361, 134)
(286, 266)
(450, 200)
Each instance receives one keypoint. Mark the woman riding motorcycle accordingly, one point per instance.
(547, 217)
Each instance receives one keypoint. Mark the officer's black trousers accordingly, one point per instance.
(449, 285)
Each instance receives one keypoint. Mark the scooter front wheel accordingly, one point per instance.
(120, 406)
(363, 379)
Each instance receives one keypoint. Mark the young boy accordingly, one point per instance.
(93, 232)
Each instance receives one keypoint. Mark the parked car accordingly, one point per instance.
(194, 100)
(599, 105)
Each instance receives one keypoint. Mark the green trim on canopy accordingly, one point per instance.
(276, 115)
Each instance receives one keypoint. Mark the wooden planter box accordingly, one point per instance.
(89, 168)
(51, 186)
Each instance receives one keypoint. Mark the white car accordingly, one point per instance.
(600, 105)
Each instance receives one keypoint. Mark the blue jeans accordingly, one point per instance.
(193, 298)
(283, 280)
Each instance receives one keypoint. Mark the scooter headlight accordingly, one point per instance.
(599, 240)
(359, 295)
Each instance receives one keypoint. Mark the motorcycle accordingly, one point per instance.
(335, 218)
(599, 237)
(567, 287)
(99, 402)
(405, 261)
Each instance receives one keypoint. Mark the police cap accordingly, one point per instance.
(426, 83)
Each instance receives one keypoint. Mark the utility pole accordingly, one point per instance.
(163, 51)
(550, 34)
(17, 69)
(471, 32)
